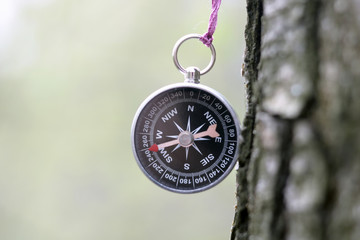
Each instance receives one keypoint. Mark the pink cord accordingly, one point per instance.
(207, 38)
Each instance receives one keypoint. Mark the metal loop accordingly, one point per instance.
(181, 41)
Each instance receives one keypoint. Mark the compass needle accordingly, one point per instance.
(154, 148)
(211, 132)
(168, 144)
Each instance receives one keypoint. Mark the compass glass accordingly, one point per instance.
(185, 137)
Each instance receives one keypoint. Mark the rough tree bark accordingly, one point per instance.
(299, 167)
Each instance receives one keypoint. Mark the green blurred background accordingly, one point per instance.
(72, 75)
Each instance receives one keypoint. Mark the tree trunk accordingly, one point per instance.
(299, 167)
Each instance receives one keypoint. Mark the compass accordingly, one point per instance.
(185, 136)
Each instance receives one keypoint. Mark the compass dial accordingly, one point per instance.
(185, 137)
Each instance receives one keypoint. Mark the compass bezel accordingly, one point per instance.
(204, 88)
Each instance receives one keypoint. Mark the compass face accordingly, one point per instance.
(185, 137)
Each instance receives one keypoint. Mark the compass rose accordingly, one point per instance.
(187, 138)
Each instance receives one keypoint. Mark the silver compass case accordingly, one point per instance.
(185, 137)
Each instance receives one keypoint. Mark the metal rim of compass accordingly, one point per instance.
(227, 105)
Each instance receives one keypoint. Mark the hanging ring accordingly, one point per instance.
(181, 41)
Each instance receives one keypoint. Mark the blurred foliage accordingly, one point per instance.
(72, 74)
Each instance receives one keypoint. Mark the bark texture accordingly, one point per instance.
(299, 167)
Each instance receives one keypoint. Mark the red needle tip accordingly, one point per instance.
(154, 148)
